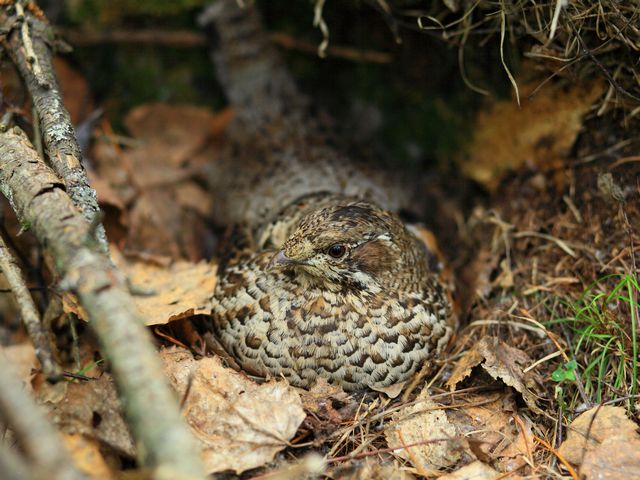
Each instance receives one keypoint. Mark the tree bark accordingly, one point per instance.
(41, 204)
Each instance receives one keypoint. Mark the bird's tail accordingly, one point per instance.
(249, 68)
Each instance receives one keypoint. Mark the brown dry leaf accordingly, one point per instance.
(240, 425)
(190, 195)
(370, 469)
(172, 133)
(86, 456)
(22, 358)
(156, 177)
(92, 409)
(424, 421)
(475, 471)
(155, 222)
(315, 400)
(105, 193)
(502, 362)
(178, 290)
(541, 131)
(74, 89)
(606, 446)
(494, 436)
(328, 407)
(615, 458)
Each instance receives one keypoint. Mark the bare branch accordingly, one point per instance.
(36, 436)
(39, 200)
(28, 45)
(29, 313)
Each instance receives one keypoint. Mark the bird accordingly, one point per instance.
(321, 279)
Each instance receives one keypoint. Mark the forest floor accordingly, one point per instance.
(540, 230)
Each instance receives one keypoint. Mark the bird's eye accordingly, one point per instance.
(337, 250)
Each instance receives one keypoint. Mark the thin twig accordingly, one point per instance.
(29, 49)
(38, 199)
(190, 39)
(36, 436)
(29, 313)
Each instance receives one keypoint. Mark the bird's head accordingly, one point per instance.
(355, 245)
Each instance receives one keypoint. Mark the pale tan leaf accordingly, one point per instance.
(163, 292)
(475, 471)
(587, 433)
(540, 131)
(241, 425)
(502, 362)
(424, 423)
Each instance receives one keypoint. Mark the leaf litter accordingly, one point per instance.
(150, 185)
(240, 425)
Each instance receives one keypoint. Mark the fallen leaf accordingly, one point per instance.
(369, 469)
(162, 293)
(155, 220)
(502, 362)
(172, 132)
(475, 471)
(92, 409)
(614, 458)
(540, 131)
(494, 436)
(191, 196)
(74, 89)
(391, 391)
(604, 443)
(105, 193)
(22, 358)
(86, 456)
(156, 176)
(424, 422)
(241, 425)
(327, 406)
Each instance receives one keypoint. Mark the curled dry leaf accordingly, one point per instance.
(494, 436)
(240, 425)
(154, 178)
(604, 443)
(163, 292)
(502, 362)
(425, 423)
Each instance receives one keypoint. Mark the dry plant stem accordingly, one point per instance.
(36, 436)
(29, 313)
(31, 53)
(39, 200)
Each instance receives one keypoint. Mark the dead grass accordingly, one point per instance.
(576, 39)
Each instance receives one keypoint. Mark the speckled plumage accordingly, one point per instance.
(332, 283)
(369, 319)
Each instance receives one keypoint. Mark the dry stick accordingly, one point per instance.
(11, 465)
(190, 39)
(36, 436)
(28, 46)
(39, 200)
(29, 313)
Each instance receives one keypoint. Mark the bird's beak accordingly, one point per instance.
(280, 259)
